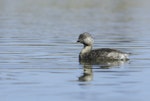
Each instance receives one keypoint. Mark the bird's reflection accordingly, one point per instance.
(87, 73)
(87, 67)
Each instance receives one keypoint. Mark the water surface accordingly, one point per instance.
(39, 54)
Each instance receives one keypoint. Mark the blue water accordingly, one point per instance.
(39, 53)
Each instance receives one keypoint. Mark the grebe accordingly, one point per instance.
(98, 54)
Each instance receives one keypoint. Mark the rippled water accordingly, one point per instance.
(39, 54)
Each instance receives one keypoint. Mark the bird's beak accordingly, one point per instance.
(78, 41)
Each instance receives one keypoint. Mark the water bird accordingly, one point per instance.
(89, 54)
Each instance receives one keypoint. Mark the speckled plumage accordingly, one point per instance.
(98, 54)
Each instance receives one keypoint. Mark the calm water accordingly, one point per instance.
(39, 54)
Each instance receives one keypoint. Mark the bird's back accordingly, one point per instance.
(105, 54)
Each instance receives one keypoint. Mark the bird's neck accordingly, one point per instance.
(86, 49)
